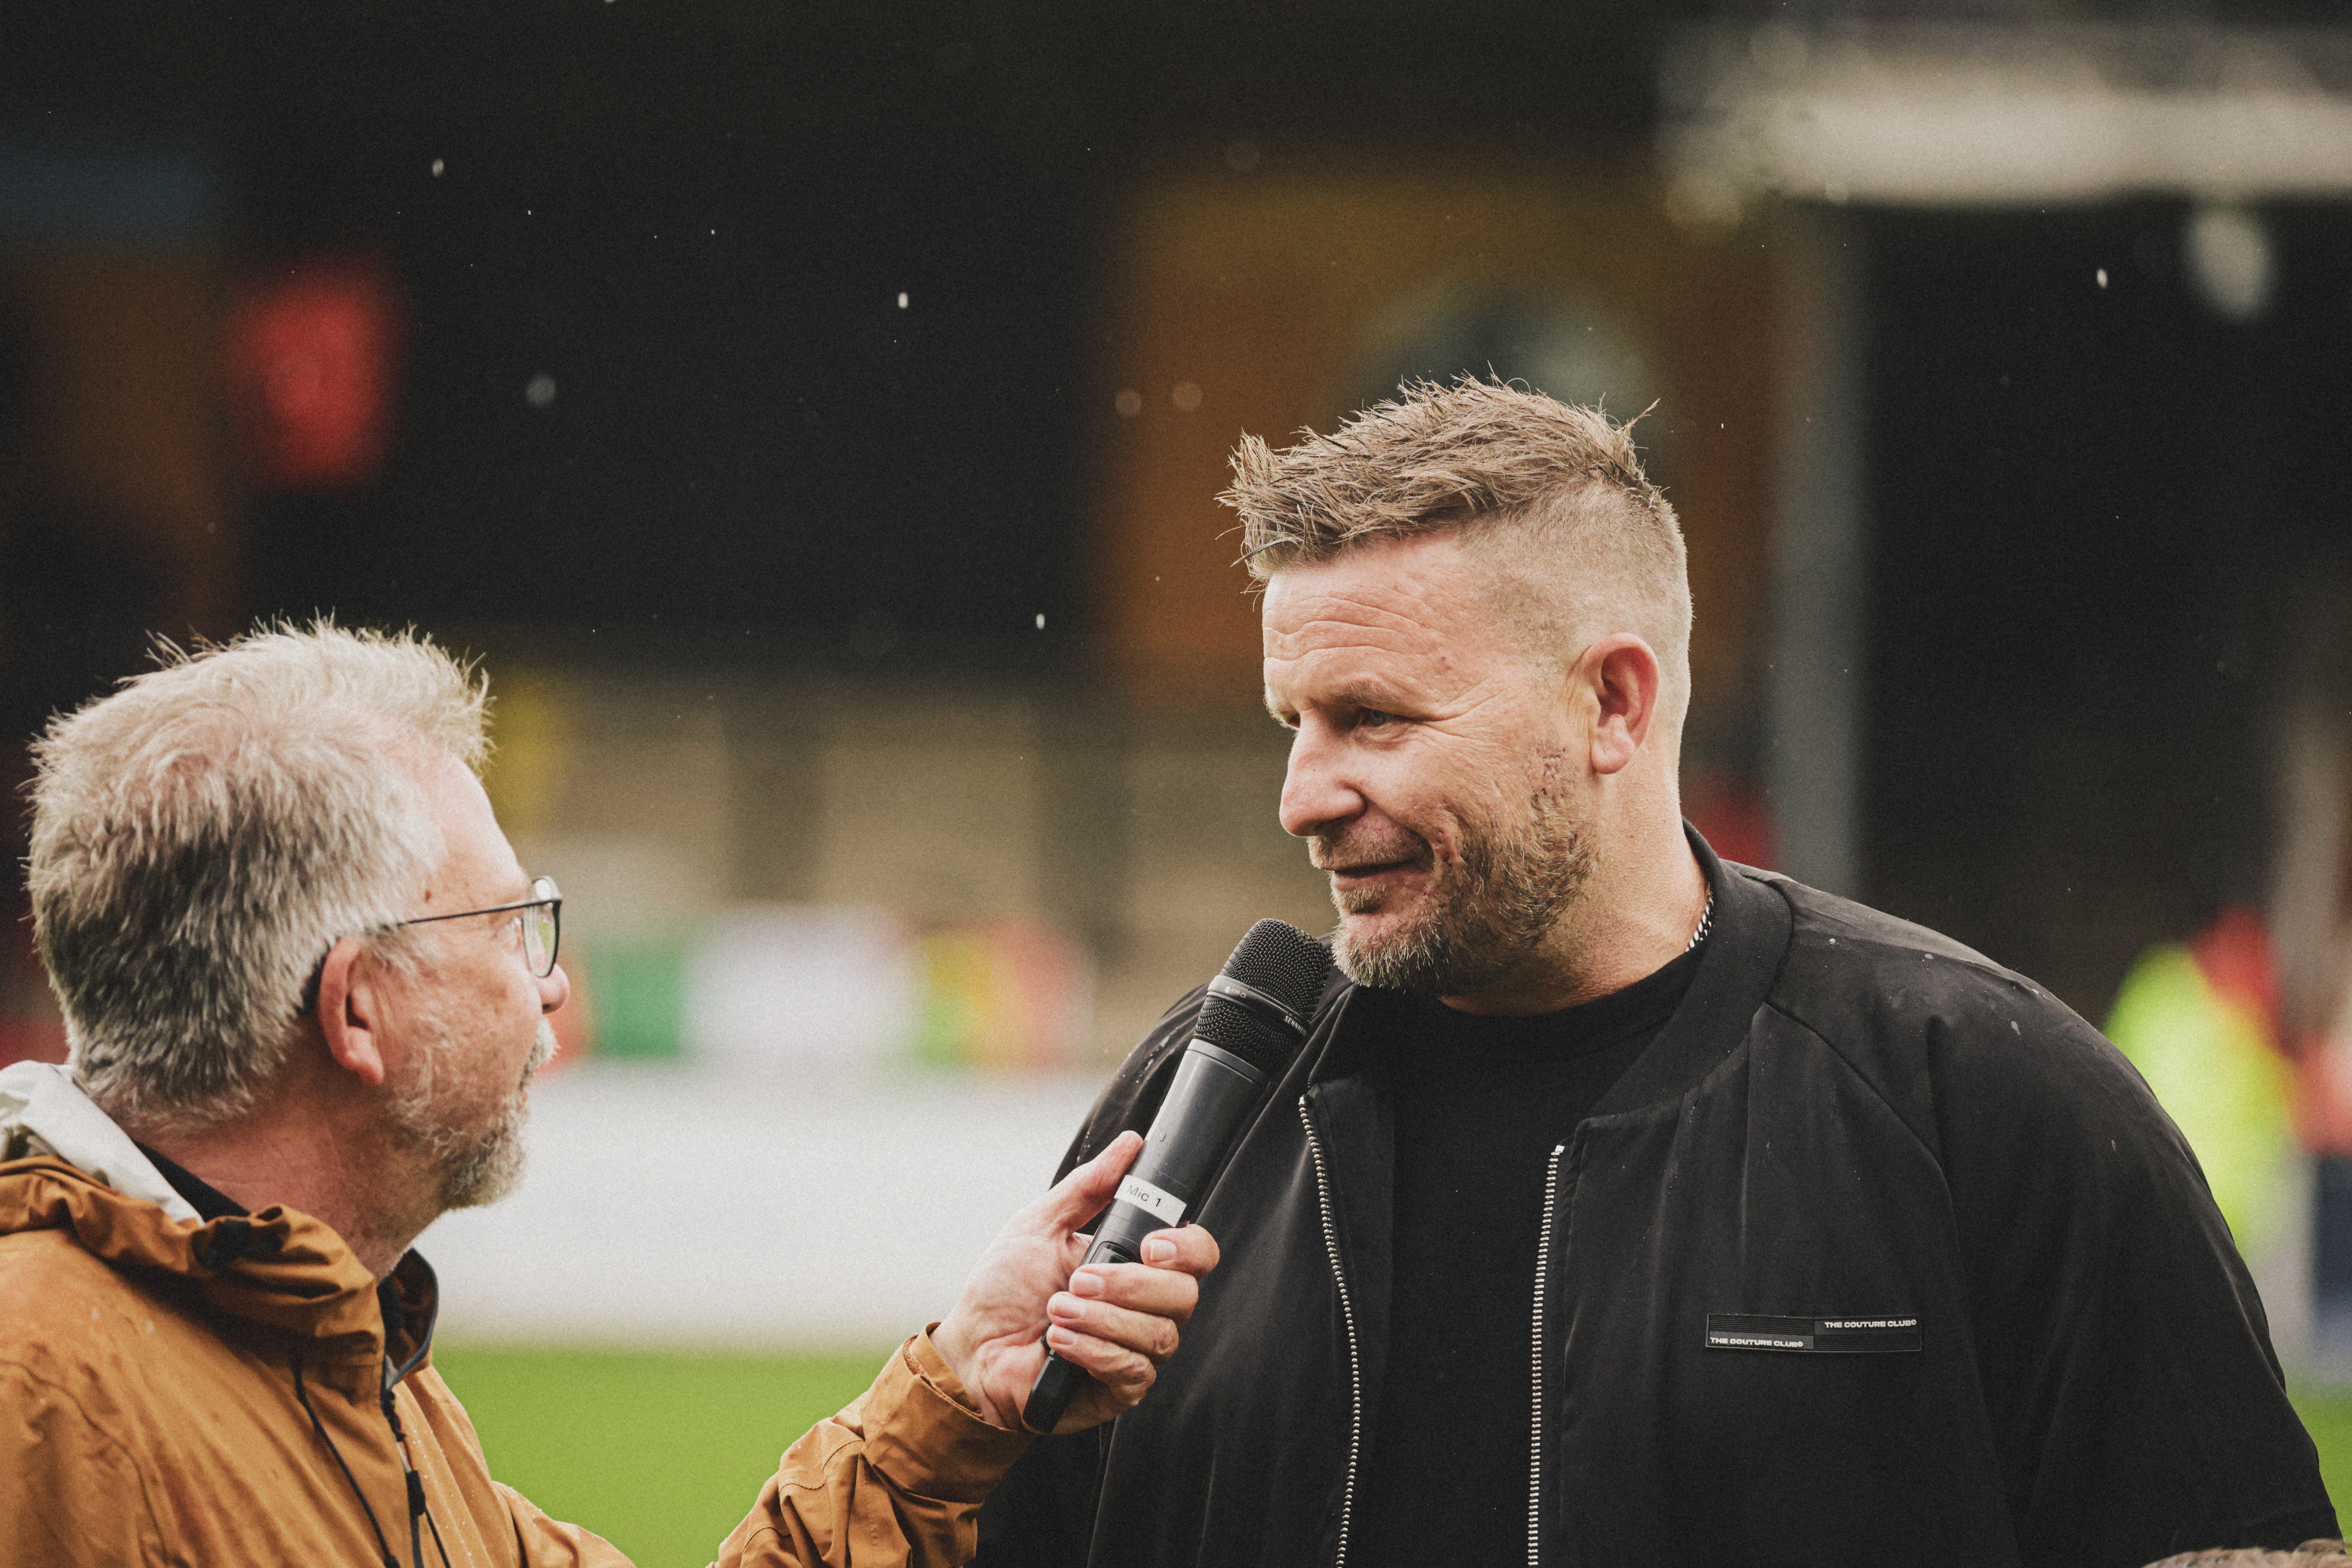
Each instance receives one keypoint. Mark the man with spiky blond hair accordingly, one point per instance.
(1627, 1206)
(306, 984)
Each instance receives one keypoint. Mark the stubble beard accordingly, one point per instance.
(468, 1169)
(1485, 910)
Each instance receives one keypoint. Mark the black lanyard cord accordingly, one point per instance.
(302, 1397)
(437, 1545)
(417, 1507)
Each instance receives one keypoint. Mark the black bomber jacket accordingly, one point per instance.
(1878, 1255)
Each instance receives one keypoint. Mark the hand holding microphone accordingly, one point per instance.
(1117, 1321)
(1251, 1024)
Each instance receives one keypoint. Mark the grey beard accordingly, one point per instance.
(1489, 911)
(471, 1175)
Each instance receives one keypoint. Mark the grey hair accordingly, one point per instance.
(203, 836)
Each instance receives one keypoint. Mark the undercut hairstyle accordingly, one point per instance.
(204, 834)
(1556, 493)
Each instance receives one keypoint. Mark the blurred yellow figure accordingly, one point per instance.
(2198, 1022)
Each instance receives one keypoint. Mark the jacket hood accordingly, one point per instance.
(279, 1267)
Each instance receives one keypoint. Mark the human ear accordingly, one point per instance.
(1621, 673)
(351, 1010)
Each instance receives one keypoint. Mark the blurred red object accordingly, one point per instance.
(1731, 816)
(32, 1040)
(312, 353)
(2233, 953)
(2235, 956)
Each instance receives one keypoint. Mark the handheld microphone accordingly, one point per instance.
(1253, 1021)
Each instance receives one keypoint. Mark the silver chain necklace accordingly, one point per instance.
(1705, 918)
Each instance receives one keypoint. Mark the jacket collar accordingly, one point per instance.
(1738, 964)
(1737, 967)
(279, 1269)
(44, 1112)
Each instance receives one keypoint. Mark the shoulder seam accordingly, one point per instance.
(1860, 1077)
(1969, 959)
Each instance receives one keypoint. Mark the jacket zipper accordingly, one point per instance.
(1347, 1316)
(1534, 1453)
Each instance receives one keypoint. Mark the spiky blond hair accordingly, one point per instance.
(1555, 491)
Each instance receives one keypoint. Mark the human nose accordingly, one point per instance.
(555, 989)
(1316, 792)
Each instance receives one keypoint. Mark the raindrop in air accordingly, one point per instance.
(2103, 277)
(540, 391)
(1041, 623)
(1128, 403)
(902, 299)
(436, 168)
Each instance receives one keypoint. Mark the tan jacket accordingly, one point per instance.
(150, 1413)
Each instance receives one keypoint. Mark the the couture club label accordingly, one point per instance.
(1814, 1336)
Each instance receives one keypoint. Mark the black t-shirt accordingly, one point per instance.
(208, 1201)
(1481, 1104)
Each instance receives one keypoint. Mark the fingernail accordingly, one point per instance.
(1060, 1339)
(1160, 1249)
(1085, 1282)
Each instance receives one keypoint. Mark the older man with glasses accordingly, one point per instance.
(306, 984)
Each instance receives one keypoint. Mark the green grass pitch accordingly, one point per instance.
(2327, 1413)
(663, 1453)
(660, 1453)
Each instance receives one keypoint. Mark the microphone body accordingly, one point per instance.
(1251, 1024)
(1213, 1090)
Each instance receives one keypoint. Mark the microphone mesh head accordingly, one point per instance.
(1287, 964)
(1283, 961)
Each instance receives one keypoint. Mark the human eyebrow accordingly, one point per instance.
(1365, 699)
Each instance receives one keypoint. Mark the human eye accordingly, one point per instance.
(1375, 719)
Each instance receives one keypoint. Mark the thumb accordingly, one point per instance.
(1087, 1191)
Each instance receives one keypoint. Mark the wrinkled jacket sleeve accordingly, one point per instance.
(893, 1481)
(69, 1493)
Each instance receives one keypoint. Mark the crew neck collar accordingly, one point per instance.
(208, 1201)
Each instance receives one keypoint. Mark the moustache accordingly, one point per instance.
(542, 1046)
(1345, 851)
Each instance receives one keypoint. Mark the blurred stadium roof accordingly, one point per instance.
(1970, 114)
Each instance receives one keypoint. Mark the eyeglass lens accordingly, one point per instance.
(542, 928)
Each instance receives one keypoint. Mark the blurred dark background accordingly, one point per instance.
(2092, 509)
(692, 224)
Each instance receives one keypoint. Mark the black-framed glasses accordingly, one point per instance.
(542, 927)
